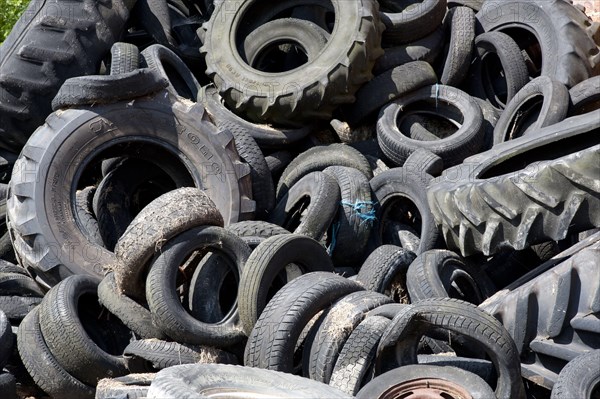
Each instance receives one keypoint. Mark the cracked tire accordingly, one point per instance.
(309, 92)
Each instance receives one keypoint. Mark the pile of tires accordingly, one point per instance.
(307, 198)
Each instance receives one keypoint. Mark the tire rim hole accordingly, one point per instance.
(280, 57)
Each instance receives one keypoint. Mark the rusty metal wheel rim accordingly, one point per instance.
(426, 388)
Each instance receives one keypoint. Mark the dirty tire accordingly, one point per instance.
(31, 75)
(339, 322)
(163, 219)
(580, 378)
(546, 201)
(254, 232)
(17, 307)
(460, 48)
(6, 339)
(83, 206)
(47, 373)
(330, 80)
(386, 266)
(190, 381)
(167, 310)
(272, 341)
(413, 23)
(357, 355)
(400, 341)
(132, 386)
(124, 58)
(272, 257)
(585, 96)
(424, 161)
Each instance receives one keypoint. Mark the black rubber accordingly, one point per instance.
(87, 346)
(585, 97)
(559, 30)
(152, 355)
(384, 271)
(124, 58)
(6, 339)
(276, 262)
(526, 112)
(255, 232)
(580, 378)
(266, 136)
(319, 158)
(546, 193)
(402, 197)
(399, 344)
(272, 341)
(191, 381)
(309, 206)
(357, 356)
(424, 161)
(427, 376)
(8, 385)
(19, 284)
(497, 84)
(351, 227)
(339, 322)
(85, 213)
(461, 24)
(107, 89)
(43, 367)
(164, 218)
(441, 273)
(61, 150)
(135, 316)
(304, 94)
(466, 141)
(388, 86)
(413, 21)
(52, 41)
(167, 310)
(17, 307)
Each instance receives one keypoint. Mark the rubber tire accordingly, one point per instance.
(318, 159)
(512, 63)
(164, 218)
(8, 385)
(313, 221)
(83, 207)
(30, 75)
(19, 284)
(555, 107)
(399, 343)
(181, 81)
(339, 322)
(255, 232)
(68, 340)
(191, 381)
(107, 89)
(6, 340)
(152, 355)
(270, 259)
(560, 29)
(388, 86)
(17, 307)
(355, 216)
(580, 378)
(43, 367)
(50, 154)
(357, 355)
(585, 97)
(386, 266)
(473, 384)
(135, 316)
(434, 273)
(266, 136)
(467, 140)
(124, 58)
(132, 386)
(398, 182)
(308, 35)
(460, 49)
(272, 341)
(408, 25)
(341, 68)
(426, 49)
(424, 161)
(559, 195)
(167, 310)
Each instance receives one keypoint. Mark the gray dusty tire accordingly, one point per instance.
(580, 378)
(309, 92)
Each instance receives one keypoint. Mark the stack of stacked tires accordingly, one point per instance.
(301, 199)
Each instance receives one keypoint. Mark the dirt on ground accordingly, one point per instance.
(592, 8)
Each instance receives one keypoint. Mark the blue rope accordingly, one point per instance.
(334, 232)
(364, 210)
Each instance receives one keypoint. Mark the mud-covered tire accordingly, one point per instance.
(309, 92)
(132, 386)
(569, 54)
(50, 244)
(52, 41)
(484, 211)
